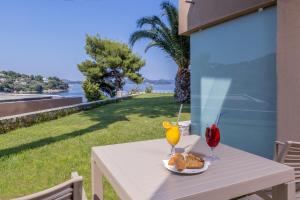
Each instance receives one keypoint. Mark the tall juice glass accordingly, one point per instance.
(172, 135)
(212, 135)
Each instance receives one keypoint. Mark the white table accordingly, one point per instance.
(135, 171)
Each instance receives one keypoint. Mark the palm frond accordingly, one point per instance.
(171, 13)
(164, 36)
(141, 34)
(152, 21)
(150, 45)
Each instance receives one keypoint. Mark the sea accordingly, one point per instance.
(75, 90)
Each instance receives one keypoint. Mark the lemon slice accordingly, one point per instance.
(167, 125)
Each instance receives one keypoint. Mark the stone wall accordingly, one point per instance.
(27, 119)
(26, 106)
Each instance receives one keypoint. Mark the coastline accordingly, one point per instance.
(33, 92)
(54, 91)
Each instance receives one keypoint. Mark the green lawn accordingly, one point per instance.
(38, 157)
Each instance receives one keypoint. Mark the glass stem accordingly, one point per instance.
(173, 150)
(212, 152)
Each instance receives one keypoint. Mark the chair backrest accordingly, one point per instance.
(69, 190)
(289, 155)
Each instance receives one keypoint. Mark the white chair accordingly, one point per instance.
(69, 190)
(287, 153)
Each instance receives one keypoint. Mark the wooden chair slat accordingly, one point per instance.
(291, 160)
(63, 191)
(294, 149)
(293, 152)
(290, 156)
(296, 168)
(291, 164)
(65, 197)
(294, 144)
(58, 194)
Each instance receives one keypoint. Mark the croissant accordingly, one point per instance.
(190, 161)
(174, 158)
(193, 162)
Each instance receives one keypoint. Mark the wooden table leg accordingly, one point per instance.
(97, 185)
(285, 191)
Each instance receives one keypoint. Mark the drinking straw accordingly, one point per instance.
(218, 118)
(179, 113)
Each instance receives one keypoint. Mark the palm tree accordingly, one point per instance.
(165, 36)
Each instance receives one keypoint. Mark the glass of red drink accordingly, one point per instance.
(212, 135)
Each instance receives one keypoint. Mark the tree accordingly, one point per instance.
(37, 88)
(165, 36)
(110, 62)
(38, 78)
(91, 90)
(56, 83)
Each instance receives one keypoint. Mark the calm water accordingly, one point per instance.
(75, 90)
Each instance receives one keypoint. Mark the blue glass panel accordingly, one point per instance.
(233, 69)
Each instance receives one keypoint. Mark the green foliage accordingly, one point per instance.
(91, 90)
(149, 89)
(165, 36)
(38, 78)
(15, 82)
(110, 62)
(37, 87)
(135, 91)
(55, 82)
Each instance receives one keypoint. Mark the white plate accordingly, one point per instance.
(186, 171)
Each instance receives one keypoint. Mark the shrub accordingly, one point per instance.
(37, 87)
(92, 91)
(149, 89)
(134, 91)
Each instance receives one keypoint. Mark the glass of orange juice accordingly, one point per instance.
(172, 134)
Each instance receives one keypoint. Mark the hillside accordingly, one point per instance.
(158, 82)
(13, 82)
(154, 82)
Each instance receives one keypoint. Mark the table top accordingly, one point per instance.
(136, 171)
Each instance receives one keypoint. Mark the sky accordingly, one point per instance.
(47, 37)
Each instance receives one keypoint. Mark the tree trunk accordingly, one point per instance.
(182, 85)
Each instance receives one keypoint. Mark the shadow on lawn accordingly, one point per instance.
(143, 107)
(46, 141)
(106, 115)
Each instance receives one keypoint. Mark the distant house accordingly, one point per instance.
(2, 78)
(45, 80)
(245, 65)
